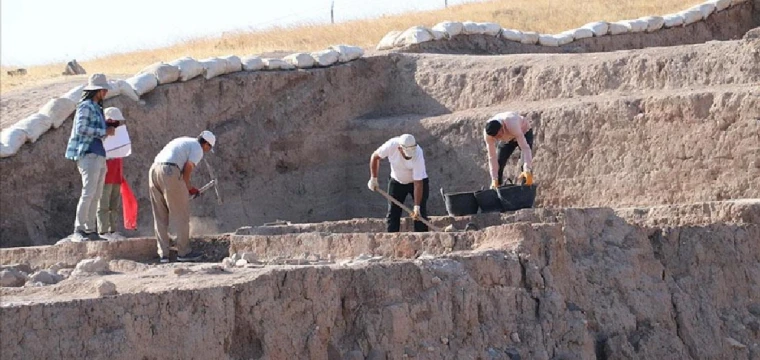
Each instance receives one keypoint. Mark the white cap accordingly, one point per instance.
(408, 145)
(113, 113)
(209, 137)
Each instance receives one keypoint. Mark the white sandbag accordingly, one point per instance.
(451, 28)
(300, 60)
(705, 9)
(325, 57)
(472, 28)
(720, 5)
(74, 94)
(348, 52)
(511, 34)
(414, 35)
(636, 25)
(114, 91)
(490, 28)
(143, 83)
(737, 2)
(119, 145)
(11, 140)
(165, 73)
(599, 28)
(691, 16)
(619, 27)
(654, 23)
(580, 33)
(529, 38)
(548, 40)
(277, 64)
(126, 90)
(438, 35)
(34, 126)
(388, 41)
(565, 37)
(672, 20)
(188, 68)
(213, 67)
(58, 110)
(234, 64)
(252, 63)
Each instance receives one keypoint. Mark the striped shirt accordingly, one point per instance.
(89, 124)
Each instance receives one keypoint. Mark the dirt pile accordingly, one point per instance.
(587, 284)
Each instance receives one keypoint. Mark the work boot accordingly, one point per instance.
(190, 257)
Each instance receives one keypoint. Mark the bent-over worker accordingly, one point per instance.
(408, 176)
(510, 130)
(170, 191)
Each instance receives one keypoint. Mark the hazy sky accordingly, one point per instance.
(42, 31)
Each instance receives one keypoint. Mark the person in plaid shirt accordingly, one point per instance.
(86, 148)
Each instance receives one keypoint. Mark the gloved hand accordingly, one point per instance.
(526, 177)
(372, 184)
(415, 215)
(494, 184)
(194, 192)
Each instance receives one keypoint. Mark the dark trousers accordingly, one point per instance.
(505, 150)
(399, 191)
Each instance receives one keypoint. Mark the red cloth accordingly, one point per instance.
(115, 171)
(129, 206)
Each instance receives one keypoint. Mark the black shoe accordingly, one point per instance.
(93, 236)
(190, 257)
(165, 260)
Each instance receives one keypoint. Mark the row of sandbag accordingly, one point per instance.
(56, 111)
(448, 29)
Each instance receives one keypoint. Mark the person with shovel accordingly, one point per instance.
(408, 176)
(170, 192)
(509, 130)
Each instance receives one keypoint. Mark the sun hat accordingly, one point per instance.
(97, 82)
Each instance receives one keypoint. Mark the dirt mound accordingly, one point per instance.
(587, 284)
(293, 145)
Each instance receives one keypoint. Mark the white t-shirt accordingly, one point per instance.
(402, 170)
(179, 151)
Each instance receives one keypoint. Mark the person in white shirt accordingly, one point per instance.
(170, 192)
(408, 176)
(511, 130)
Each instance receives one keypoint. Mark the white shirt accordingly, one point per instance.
(402, 170)
(179, 151)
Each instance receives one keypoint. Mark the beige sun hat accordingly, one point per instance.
(113, 113)
(97, 82)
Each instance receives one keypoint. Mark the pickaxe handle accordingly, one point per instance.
(402, 206)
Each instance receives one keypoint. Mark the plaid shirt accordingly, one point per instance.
(89, 124)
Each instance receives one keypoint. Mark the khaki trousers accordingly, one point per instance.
(108, 208)
(170, 201)
(92, 168)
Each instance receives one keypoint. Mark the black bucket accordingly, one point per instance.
(460, 204)
(516, 197)
(488, 200)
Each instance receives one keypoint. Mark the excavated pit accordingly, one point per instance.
(679, 281)
(609, 129)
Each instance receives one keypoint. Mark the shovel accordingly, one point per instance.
(403, 207)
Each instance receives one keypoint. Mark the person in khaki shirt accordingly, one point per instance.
(510, 130)
(170, 192)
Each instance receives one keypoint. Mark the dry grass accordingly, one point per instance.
(546, 16)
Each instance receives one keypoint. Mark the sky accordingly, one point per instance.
(34, 32)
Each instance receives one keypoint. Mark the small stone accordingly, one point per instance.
(65, 273)
(228, 262)
(444, 340)
(11, 278)
(181, 271)
(515, 337)
(241, 262)
(436, 280)
(733, 342)
(430, 349)
(236, 256)
(90, 266)
(450, 228)
(251, 258)
(105, 288)
(54, 269)
(43, 277)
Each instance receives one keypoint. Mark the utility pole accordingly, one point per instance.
(332, 11)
